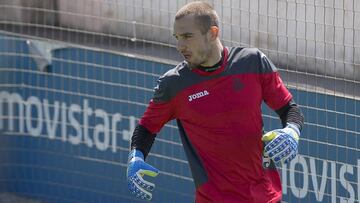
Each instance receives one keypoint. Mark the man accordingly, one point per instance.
(216, 94)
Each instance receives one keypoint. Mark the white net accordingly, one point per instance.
(107, 55)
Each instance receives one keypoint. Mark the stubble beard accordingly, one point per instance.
(196, 65)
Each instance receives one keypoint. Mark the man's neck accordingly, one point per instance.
(216, 66)
(215, 56)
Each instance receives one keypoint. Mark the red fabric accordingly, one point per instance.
(225, 127)
(267, 190)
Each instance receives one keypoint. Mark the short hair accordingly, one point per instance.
(204, 13)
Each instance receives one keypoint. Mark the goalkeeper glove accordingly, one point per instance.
(136, 169)
(281, 145)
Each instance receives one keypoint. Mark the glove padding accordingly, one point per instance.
(281, 145)
(136, 169)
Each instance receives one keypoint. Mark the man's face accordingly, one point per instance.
(191, 43)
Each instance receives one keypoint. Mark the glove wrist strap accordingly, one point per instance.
(294, 127)
(136, 153)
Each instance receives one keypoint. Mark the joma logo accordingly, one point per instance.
(198, 95)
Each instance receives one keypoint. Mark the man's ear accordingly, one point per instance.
(213, 32)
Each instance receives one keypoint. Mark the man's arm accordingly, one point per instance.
(290, 113)
(159, 111)
(142, 140)
(281, 145)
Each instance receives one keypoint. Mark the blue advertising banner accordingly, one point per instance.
(66, 118)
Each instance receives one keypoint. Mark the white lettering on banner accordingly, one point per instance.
(343, 170)
(77, 137)
(319, 191)
(321, 179)
(33, 101)
(333, 181)
(299, 192)
(340, 176)
(284, 179)
(37, 117)
(102, 129)
(11, 99)
(115, 119)
(51, 123)
(87, 112)
(63, 122)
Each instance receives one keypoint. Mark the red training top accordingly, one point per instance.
(220, 123)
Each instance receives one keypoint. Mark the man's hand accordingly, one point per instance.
(136, 169)
(281, 145)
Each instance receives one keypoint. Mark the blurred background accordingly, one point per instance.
(75, 77)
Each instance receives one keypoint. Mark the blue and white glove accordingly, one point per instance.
(136, 169)
(281, 145)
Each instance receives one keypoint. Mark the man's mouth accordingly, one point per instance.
(186, 56)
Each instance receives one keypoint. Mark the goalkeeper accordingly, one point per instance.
(215, 95)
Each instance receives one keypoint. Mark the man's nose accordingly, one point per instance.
(180, 46)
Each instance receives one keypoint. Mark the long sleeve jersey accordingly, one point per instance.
(220, 123)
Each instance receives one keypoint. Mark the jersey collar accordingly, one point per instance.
(217, 71)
